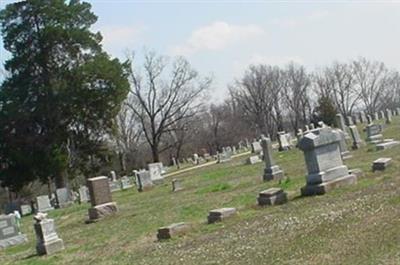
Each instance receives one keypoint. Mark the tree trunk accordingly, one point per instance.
(60, 181)
(155, 153)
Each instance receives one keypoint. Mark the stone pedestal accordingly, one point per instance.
(271, 171)
(324, 163)
(173, 230)
(48, 241)
(219, 215)
(272, 196)
(100, 198)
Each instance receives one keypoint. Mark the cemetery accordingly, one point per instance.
(222, 201)
(243, 134)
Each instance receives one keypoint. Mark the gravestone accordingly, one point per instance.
(299, 135)
(196, 159)
(173, 230)
(387, 145)
(253, 160)
(256, 147)
(234, 150)
(272, 196)
(349, 121)
(271, 171)
(114, 185)
(363, 118)
(219, 215)
(223, 157)
(283, 141)
(143, 180)
(376, 116)
(63, 197)
(100, 199)
(369, 119)
(381, 163)
(113, 175)
(26, 209)
(47, 240)
(324, 162)
(388, 116)
(312, 126)
(155, 170)
(126, 183)
(341, 125)
(356, 139)
(9, 232)
(176, 185)
(382, 114)
(43, 204)
(84, 194)
(343, 145)
(306, 128)
(374, 133)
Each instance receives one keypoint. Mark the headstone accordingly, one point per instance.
(363, 118)
(388, 116)
(382, 114)
(207, 157)
(253, 160)
(357, 142)
(26, 209)
(219, 215)
(47, 240)
(196, 159)
(341, 125)
(9, 232)
(271, 171)
(114, 185)
(381, 163)
(63, 197)
(343, 145)
(272, 196)
(376, 116)
(113, 176)
(386, 145)
(143, 180)
(256, 147)
(43, 204)
(324, 162)
(83, 194)
(306, 128)
(155, 170)
(126, 183)
(349, 121)
(173, 230)
(100, 199)
(234, 150)
(369, 119)
(374, 133)
(283, 141)
(223, 157)
(312, 126)
(176, 185)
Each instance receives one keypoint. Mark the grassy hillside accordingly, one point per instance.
(358, 224)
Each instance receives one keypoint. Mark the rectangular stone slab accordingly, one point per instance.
(320, 189)
(101, 211)
(173, 230)
(381, 163)
(387, 145)
(273, 196)
(99, 190)
(218, 215)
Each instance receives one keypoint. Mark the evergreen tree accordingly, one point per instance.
(326, 111)
(62, 92)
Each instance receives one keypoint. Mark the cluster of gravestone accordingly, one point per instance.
(324, 149)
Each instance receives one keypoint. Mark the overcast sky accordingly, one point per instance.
(223, 37)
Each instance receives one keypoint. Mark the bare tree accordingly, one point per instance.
(160, 102)
(372, 78)
(296, 94)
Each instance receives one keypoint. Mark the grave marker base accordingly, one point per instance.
(320, 189)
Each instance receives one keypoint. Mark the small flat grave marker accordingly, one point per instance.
(272, 196)
(219, 215)
(173, 230)
(381, 163)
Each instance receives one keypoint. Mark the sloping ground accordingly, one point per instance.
(354, 225)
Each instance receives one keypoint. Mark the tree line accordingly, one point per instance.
(68, 109)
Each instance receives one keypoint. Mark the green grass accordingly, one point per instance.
(356, 224)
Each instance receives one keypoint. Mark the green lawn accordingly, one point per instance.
(358, 224)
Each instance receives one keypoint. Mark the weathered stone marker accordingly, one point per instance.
(283, 141)
(63, 197)
(219, 215)
(48, 241)
(43, 204)
(324, 163)
(272, 196)
(253, 160)
(173, 230)
(271, 171)
(355, 136)
(256, 147)
(100, 198)
(84, 194)
(155, 170)
(126, 183)
(341, 125)
(388, 116)
(374, 133)
(143, 181)
(9, 232)
(344, 152)
(387, 145)
(381, 163)
(176, 185)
